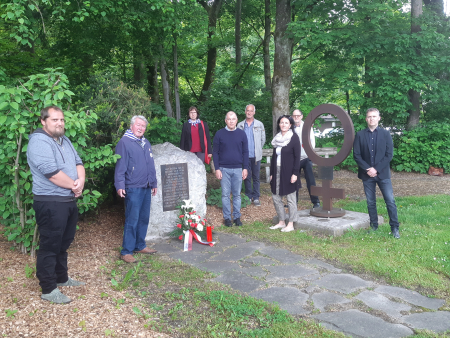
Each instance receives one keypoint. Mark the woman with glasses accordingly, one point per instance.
(195, 136)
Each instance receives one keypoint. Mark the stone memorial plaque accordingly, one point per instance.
(175, 185)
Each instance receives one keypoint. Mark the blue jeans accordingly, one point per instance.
(388, 195)
(137, 214)
(231, 182)
(253, 174)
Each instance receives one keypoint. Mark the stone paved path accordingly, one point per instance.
(310, 287)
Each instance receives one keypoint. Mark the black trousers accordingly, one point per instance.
(306, 165)
(57, 222)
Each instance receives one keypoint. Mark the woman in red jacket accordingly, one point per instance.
(195, 136)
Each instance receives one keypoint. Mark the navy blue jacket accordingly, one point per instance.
(136, 167)
(383, 156)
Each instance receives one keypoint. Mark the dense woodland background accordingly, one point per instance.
(104, 61)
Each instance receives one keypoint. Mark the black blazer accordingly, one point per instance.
(186, 139)
(383, 156)
(290, 165)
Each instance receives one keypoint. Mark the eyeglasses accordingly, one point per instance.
(372, 117)
(294, 116)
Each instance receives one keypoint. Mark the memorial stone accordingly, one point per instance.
(181, 175)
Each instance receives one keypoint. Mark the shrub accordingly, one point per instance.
(425, 145)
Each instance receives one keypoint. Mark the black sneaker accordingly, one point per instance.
(238, 222)
(228, 223)
(316, 205)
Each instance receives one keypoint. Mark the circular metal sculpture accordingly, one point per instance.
(326, 191)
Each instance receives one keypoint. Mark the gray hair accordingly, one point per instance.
(254, 108)
(230, 113)
(140, 117)
(373, 109)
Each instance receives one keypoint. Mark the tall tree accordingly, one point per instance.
(282, 75)
(165, 84)
(237, 33)
(213, 9)
(413, 94)
(267, 35)
(175, 79)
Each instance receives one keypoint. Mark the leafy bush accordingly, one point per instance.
(426, 145)
(214, 197)
(20, 108)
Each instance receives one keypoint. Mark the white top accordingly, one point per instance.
(298, 131)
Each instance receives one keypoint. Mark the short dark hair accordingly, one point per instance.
(196, 110)
(45, 114)
(291, 121)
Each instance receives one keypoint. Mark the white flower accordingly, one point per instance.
(200, 227)
(188, 204)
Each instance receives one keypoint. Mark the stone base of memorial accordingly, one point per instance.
(181, 175)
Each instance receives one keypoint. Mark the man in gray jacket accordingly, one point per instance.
(256, 136)
(58, 179)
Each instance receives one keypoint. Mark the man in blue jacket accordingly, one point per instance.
(135, 180)
(230, 154)
(58, 179)
(373, 151)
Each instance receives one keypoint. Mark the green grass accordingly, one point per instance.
(188, 305)
(419, 260)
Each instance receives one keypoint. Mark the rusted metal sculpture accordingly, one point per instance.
(326, 191)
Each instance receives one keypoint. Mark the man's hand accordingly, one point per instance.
(218, 174)
(293, 178)
(244, 174)
(372, 172)
(210, 155)
(154, 191)
(121, 193)
(270, 180)
(78, 186)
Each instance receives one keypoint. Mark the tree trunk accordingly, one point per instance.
(213, 13)
(413, 95)
(237, 33)
(175, 80)
(165, 84)
(138, 69)
(266, 50)
(152, 79)
(282, 75)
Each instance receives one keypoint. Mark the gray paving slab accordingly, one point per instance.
(379, 302)
(239, 281)
(218, 266)
(320, 264)
(191, 257)
(438, 321)
(252, 244)
(344, 283)
(360, 324)
(206, 248)
(260, 260)
(255, 271)
(288, 298)
(235, 254)
(288, 271)
(165, 248)
(322, 299)
(282, 255)
(227, 240)
(412, 297)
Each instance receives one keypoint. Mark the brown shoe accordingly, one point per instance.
(128, 258)
(147, 251)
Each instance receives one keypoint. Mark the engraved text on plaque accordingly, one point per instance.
(175, 185)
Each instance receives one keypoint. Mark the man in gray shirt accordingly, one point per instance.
(58, 179)
(256, 136)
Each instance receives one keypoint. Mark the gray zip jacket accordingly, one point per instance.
(259, 135)
(46, 158)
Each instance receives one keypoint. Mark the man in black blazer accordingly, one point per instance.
(372, 151)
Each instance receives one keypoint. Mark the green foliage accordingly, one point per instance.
(164, 129)
(425, 145)
(29, 271)
(10, 313)
(20, 108)
(214, 197)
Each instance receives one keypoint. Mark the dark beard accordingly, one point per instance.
(58, 134)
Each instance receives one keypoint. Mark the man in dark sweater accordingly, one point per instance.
(230, 154)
